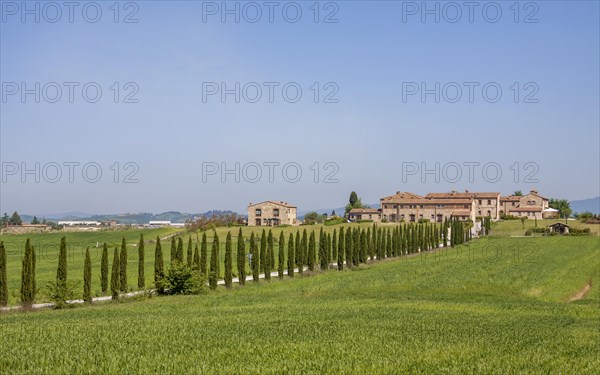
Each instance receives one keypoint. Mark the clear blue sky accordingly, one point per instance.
(369, 133)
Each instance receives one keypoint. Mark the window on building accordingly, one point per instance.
(489, 202)
(395, 206)
(480, 201)
(276, 212)
(421, 206)
(258, 212)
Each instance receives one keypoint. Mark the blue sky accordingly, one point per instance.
(370, 56)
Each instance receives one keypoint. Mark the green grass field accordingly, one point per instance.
(496, 305)
(508, 228)
(47, 246)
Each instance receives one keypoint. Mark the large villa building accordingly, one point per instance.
(409, 207)
(435, 207)
(271, 213)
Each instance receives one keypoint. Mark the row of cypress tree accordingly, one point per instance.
(347, 247)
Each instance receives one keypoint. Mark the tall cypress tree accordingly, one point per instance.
(281, 255)
(115, 276)
(378, 243)
(61, 272)
(33, 262)
(334, 247)
(203, 255)
(356, 241)
(123, 265)
(87, 277)
(255, 258)
(190, 255)
(389, 244)
(241, 258)
(228, 276)
(271, 239)
(27, 271)
(196, 260)
(368, 244)
(304, 246)
(173, 249)
(290, 255)
(363, 246)
(269, 256)
(3, 277)
(104, 269)
(445, 232)
(214, 263)
(341, 249)
(298, 252)
(158, 263)
(328, 251)
(141, 259)
(323, 246)
(262, 250)
(179, 253)
(312, 253)
(373, 245)
(349, 248)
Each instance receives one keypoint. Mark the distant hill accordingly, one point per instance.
(592, 205)
(131, 218)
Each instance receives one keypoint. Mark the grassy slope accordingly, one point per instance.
(478, 308)
(516, 228)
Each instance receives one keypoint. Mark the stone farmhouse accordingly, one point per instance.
(531, 205)
(357, 214)
(436, 207)
(271, 213)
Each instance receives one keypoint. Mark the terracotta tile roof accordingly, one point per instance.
(510, 198)
(537, 195)
(280, 203)
(402, 195)
(365, 211)
(466, 194)
(409, 198)
(425, 202)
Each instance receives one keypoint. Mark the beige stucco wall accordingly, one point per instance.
(287, 215)
(488, 204)
(427, 212)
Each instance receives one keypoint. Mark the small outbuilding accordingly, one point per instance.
(560, 228)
